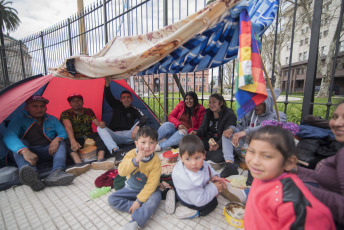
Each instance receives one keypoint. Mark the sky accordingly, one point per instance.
(37, 15)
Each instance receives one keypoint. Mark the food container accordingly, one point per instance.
(89, 153)
(89, 142)
(234, 214)
(170, 156)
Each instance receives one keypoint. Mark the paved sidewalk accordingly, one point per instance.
(69, 207)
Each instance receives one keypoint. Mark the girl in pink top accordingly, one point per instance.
(278, 199)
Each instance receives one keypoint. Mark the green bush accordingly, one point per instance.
(294, 109)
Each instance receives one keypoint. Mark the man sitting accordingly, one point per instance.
(122, 128)
(34, 137)
(78, 123)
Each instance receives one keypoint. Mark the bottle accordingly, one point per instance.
(97, 192)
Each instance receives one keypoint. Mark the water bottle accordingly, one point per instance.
(97, 192)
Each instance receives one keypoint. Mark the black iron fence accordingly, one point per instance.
(89, 31)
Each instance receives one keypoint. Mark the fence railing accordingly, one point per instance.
(105, 19)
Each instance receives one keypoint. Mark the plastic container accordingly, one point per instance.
(170, 156)
(234, 214)
(88, 154)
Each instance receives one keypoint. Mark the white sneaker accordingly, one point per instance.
(102, 165)
(157, 148)
(130, 226)
(183, 212)
(170, 202)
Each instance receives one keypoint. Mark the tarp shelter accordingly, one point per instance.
(205, 39)
(56, 90)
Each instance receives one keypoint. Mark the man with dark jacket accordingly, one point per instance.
(125, 122)
(34, 137)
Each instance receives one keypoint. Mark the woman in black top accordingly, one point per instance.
(217, 118)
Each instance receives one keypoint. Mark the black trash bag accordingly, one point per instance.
(307, 149)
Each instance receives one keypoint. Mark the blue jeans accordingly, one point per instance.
(228, 148)
(124, 198)
(42, 152)
(111, 138)
(171, 133)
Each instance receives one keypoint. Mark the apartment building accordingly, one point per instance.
(301, 44)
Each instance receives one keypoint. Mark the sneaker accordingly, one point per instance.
(59, 178)
(249, 179)
(29, 176)
(130, 226)
(170, 202)
(183, 212)
(234, 194)
(102, 165)
(157, 148)
(119, 156)
(79, 169)
(229, 170)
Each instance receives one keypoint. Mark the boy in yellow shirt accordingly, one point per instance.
(142, 167)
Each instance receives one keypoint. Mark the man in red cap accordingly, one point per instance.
(34, 137)
(78, 123)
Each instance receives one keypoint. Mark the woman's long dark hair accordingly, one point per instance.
(220, 98)
(194, 108)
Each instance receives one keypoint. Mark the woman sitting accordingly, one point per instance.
(326, 182)
(234, 137)
(184, 118)
(217, 118)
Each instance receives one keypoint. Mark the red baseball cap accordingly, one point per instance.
(70, 97)
(34, 98)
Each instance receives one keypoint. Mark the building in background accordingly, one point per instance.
(301, 45)
(18, 61)
(196, 82)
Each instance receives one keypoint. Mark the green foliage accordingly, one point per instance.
(8, 16)
(294, 108)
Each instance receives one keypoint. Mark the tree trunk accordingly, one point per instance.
(325, 69)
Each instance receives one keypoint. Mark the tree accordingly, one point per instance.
(9, 21)
(330, 15)
(283, 43)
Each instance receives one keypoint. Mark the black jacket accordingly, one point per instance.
(123, 118)
(227, 118)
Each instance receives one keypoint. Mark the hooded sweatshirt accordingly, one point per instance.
(194, 187)
(251, 121)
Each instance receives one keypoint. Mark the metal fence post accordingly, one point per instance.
(43, 52)
(22, 58)
(166, 75)
(308, 98)
(70, 38)
(274, 53)
(105, 22)
(290, 59)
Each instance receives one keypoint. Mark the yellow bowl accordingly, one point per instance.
(232, 221)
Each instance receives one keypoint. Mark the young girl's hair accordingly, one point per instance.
(279, 138)
(220, 99)
(147, 131)
(192, 110)
(191, 144)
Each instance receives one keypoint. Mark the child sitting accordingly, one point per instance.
(142, 167)
(278, 199)
(191, 178)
